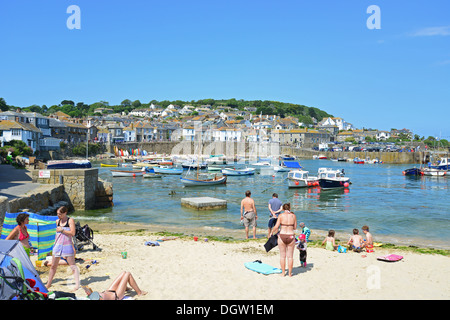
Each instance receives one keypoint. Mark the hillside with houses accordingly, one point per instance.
(174, 122)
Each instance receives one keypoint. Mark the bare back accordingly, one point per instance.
(248, 204)
(288, 222)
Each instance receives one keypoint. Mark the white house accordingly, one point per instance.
(226, 134)
(26, 132)
(383, 135)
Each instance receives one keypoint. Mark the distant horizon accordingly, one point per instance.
(380, 64)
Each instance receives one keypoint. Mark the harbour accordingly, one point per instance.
(399, 209)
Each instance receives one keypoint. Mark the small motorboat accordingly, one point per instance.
(332, 178)
(433, 172)
(358, 160)
(108, 165)
(127, 173)
(238, 172)
(69, 164)
(412, 172)
(168, 170)
(301, 179)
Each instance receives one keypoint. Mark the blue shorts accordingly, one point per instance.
(272, 222)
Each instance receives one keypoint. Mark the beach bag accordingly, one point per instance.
(271, 243)
(341, 249)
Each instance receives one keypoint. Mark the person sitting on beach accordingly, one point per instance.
(287, 222)
(368, 240)
(117, 289)
(248, 213)
(305, 231)
(330, 241)
(356, 241)
(20, 232)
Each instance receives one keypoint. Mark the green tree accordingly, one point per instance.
(3, 105)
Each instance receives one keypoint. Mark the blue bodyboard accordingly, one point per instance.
(260, 267)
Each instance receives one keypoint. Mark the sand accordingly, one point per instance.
(184, 269)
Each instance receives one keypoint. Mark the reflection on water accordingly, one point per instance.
(379, 196)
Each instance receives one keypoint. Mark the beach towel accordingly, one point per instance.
(390, 258)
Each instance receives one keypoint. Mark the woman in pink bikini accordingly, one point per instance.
(63, 247)
(286, 237)
(20, 232)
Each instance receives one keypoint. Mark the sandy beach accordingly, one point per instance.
(184, 269)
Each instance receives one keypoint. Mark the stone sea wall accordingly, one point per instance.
(84, 189)
(79, 189)
(263, 149)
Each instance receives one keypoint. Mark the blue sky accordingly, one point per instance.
(317, 53)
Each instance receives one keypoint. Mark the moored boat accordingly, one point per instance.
(301, 179)
(358, 160)
(433, 172)
(69, 164)
(238, 172)
(108, 165)
(203, 181)
(332, 178)
(167, 170)
(127, 173)
(412, 172)
(443, 164)
(152, 175)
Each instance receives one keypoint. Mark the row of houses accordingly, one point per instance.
(45, 133)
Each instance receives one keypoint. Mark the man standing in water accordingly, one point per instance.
(248, 213)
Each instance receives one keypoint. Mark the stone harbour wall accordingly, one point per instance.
(84, 189)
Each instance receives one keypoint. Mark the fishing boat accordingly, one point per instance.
(321, 156)
(412, 172)
(108, 165)
(443, 164)
(127, 173)
(68, 164)
(301, 179)
(433, 172)
(203, 180)
(238, 172)
(168, 170)
(332, 178)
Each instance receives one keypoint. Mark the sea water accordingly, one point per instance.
(397, 208)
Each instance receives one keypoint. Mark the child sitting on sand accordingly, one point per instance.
(330, 242)
(356, 241)
(369, 239)
(301, 246)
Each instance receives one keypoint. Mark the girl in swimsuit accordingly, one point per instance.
(287, 222)
(63, 247)
(20, 232)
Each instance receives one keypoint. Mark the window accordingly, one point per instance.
(15, 132)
